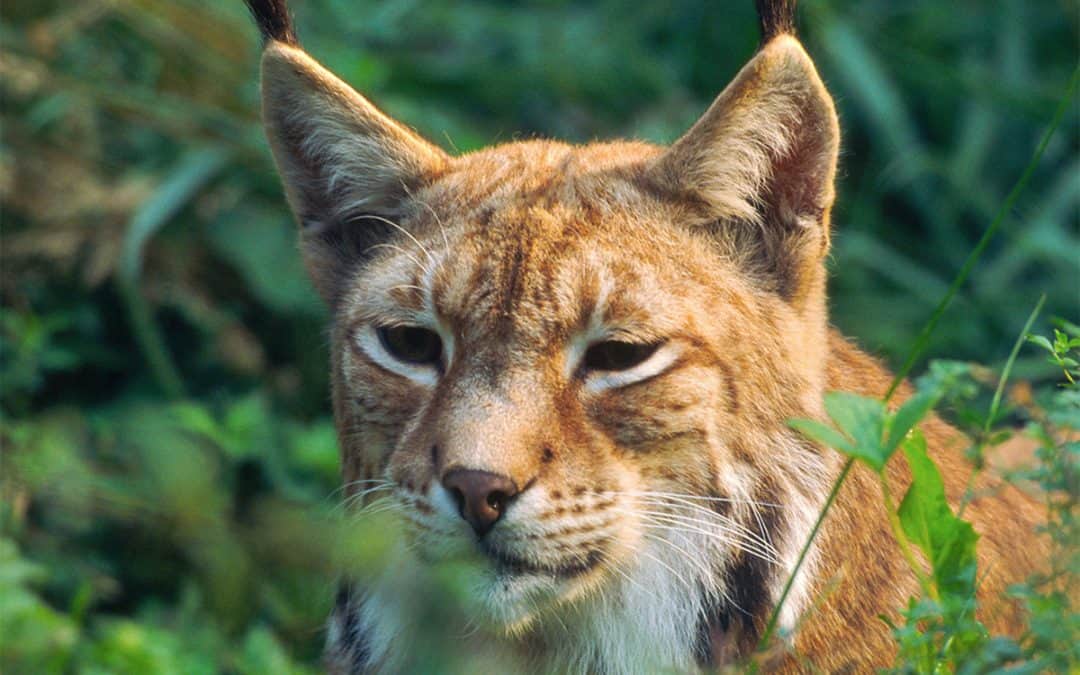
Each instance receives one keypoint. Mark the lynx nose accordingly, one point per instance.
(481, 496)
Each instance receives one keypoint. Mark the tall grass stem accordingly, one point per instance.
(923, 339)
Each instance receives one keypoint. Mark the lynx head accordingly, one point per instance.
(577, 361)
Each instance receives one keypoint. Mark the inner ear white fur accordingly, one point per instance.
(768, 143)
(348, 169)
(336, 152)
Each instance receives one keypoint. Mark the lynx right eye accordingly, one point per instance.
(615, 355)
(412, 344)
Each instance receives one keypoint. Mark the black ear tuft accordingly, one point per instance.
(777, 17)
(274, 20)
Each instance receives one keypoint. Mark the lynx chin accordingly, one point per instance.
(571, 367)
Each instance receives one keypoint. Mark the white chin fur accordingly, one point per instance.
(512, 603)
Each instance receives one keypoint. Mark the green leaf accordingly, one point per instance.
(197, 419)
(314, 448)
(261, 246)
(822, 433)
(1064, 410)
(263, 653)
(1042, 342)
(863, 420)
(1067, 326)
(910, 413)
(947, 541)
(184, 182)
(248, 427)
(1061, 341)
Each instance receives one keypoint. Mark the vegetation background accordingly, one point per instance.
(167, 458)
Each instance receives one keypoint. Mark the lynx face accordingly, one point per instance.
(557, 379)
(573, 365)
(554, 379)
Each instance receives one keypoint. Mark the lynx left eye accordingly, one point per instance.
(614, 355)
(412, 344)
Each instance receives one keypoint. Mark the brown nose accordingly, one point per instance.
(481, 496)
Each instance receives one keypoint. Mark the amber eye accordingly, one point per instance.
(614, 355)
(412, 344)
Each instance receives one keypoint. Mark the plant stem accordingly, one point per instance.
(1007, 369)
(996, 402)
(923, 340)
(1065, 369)
(774, 617)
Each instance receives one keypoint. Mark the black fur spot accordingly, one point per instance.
(776, 17)
(734, 627)
(715, 623)
(274, 20)
(354, 648)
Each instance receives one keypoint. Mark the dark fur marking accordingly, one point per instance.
(341, 247)
(732, 388)
(568, 569)
(775, 17)
(513, 280)
(750, 606)
(711, 630)
(274, 20)
(354, 648)
(731, 629)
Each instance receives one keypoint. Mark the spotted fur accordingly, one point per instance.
(660, 509)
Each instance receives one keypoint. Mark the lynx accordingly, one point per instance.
(575, 364)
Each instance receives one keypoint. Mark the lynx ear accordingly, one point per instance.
(761, 163)
(341, 160)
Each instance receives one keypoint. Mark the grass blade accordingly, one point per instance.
(192, 172)
(923, 339)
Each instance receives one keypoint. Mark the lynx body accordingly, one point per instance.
(575, 364)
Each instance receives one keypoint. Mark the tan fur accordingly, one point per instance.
(523, 254)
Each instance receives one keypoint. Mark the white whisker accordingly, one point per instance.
(678, 577)
(410, 256)
(406, 233)
(617, 568)
(702, 498)
(720, 520)
(726, 520)
(706, 573)
(671, 521)
(438, 221)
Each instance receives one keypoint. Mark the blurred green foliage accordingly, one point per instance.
(168, 465)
